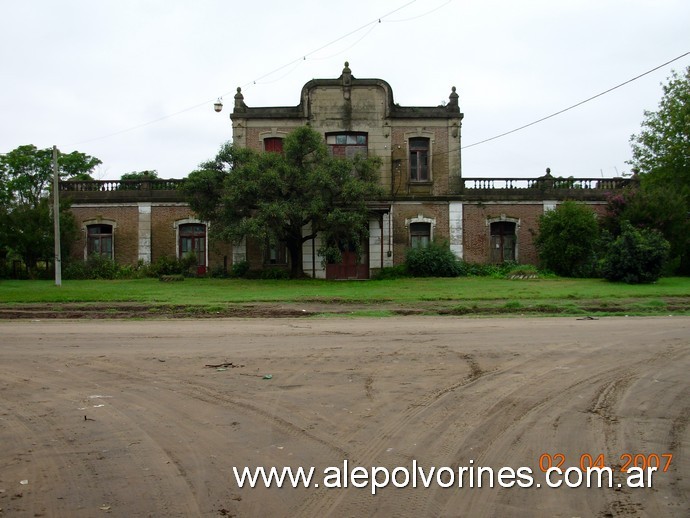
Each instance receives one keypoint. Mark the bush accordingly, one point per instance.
(275, 274)
(75, 270)
(239, 269)
(95, 267)
(391, 272)
(435, 260)
(636, 256)
(568, 240)
(219, 272)
(267, 274)
(166, 265)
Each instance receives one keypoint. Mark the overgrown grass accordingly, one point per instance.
(209, 292)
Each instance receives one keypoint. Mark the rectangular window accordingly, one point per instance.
(273, 145)
(275, 252)
(99, 240)
(347, 145)
(419, 159)
(420, 235)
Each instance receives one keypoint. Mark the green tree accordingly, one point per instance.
(655, 207)
(661, 153)
(27, 172)
(140, 175)
(26, 224)
(567, 240)
(662, 149)
(636, 256)
(270, 195)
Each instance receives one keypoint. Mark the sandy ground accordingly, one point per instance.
(125, 418)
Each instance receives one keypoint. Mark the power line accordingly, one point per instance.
(304, 57)
(373, 23)
(577, 104)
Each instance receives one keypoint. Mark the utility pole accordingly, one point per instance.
(56, 218)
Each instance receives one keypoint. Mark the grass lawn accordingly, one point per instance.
(464, 295)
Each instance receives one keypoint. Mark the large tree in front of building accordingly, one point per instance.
(661, 150)
(567, 240)
(289, 197)
(26, 222)
(661, 153)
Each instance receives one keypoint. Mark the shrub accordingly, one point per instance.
(219, 272)
(166, 265)
(391, 272)
(568, 239)
(274, 274)
(95, 267)
(434, 260)
(75, 270)
(239, 269)
(635, 256)
(508, 269)
(268, 274)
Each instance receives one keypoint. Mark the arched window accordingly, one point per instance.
(99, 240)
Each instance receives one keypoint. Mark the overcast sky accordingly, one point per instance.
(133, 82)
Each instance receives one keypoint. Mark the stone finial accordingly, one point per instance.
(347, 75)
(453, 98)
(548, 172)
(346, 78)
(239, 101)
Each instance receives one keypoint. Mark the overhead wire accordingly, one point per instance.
(559, 112)
(293, 63)
(371, 25)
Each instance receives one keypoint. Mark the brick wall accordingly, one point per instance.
(476, 232)
(405, 211)
(163, 233)
(126, 235)
(440, 159)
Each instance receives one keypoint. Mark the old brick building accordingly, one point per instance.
(427, 198)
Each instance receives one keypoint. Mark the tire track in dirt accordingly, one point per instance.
(45, 453)
(210, 395)
(322, 502)
(500, 422)
(603, 408)
(612, 385)
(88, 467)
(181, 389)
(506, 414)
(511, 405)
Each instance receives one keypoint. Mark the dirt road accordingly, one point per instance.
(125, 418)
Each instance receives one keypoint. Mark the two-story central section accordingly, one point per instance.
(420, 152)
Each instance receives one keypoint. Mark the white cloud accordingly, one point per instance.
(76, 73)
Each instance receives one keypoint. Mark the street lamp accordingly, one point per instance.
(218, 105)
